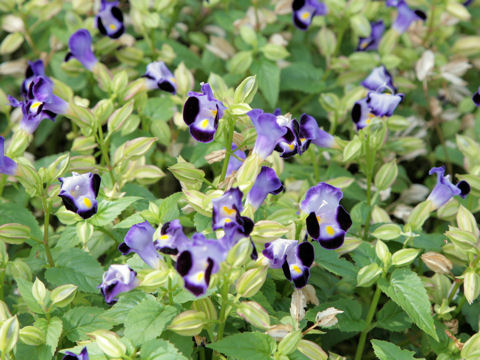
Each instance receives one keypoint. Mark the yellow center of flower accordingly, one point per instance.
(200, 276)
(172, 79)
(364, 45)
(87, 202)
(296, 269)
(35, 105)
(214, 112)
(227, 220)
(302, 139)
(319, 219)
(370, 117)
(291, 146)
(112, 27)
(229, 211)
(330, 230)
(164, 237)
(204, 123)
(305, 15)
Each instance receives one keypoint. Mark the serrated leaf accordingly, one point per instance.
(160, 349)
(330, 261)
(25, 289)
(408, 292)
(168, 208)
(84, 319)
(268, 77)
(392, 317)
(109, 210)
(118, 313)
(147, 320)
(245, 346)
(53, 330)
(388, 351)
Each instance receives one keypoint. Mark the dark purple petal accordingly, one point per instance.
(269, 132)
(172, 239)
(34, 69)
(267, 182)
(372, 42)
(80, 45)
(110, 20)
(160, 77)
(476, 97)
(406, 16)
(7, 165)
(140, 240)
(117, 279)
(464, 188)
(361, 114)
(309, 130)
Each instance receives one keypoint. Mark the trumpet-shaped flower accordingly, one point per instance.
(82, 356)
(289, 144)
(34, 69)
(234, 163)
(80, 44)
(227, 209)
(444, 190)
(172, 240)
(311, 133)
(383, 104)
(117, 279)
(267, 182)
(269, 132)
(110, 19)
(293, 257)
(405, 15)
(79, 193)
(139, 239)
(7, 165)
(305, 10)
(201, 113)
(159, 77)
(327, 220)
(379, 80)
(371, 42)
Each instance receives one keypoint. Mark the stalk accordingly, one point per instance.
(46, 222)
(371, 313)
(228, 147)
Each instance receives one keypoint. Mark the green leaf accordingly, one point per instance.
(147, 320)
(302, 76)
(75, 266)
(406, 289)
(331, 261)
(53, 330)
(168, 208)
(246, 346)
(109, 210)
(84, 319)
(118, 313)
(25, 289)
(392, 317)
(12, 213)
(160, 349)
(351, 320)
(388, 351)
(268, 77)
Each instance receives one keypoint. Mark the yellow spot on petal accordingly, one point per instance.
(302, 139)
(172, 79)
(204, 123)
(214, 112)
(319, 219)
(364, 45)
(330, 230)
(200, 276)
(35, 105)
(164, 237)
(229, 211)
(291, 146)
(87, 202)
(112, 27)
(305, 15)
(296, 269)
(227, 220)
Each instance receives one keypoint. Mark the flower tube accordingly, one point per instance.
(80, 44)
(116, 280)
(444, 190)
(7, 165)
(139, 239)
(267, 182)
(79, 193)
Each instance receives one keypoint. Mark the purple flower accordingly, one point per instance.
(117, 279)
(7, 165)
(139, 239)
(289, 144)
(34, 69)
(227, 209)
(80, 45)
(110, 20)
(467, 2)
(383, 104)
(39, 104)
(269, 132)
(305, 10)
(79, 193)
(82, 356)
(311, 133)
(197, 263)
(476, 97)
(379, 80)
(444, 190)
(159, 77)
(361, 115)
(267, 182)
(406, 16)
(201, 113)
(233, 163)
(372, 42)
(172, 239)
(327, 220)
(294, 258)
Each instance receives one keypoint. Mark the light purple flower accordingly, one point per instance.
(361, 115)
(379, 80)
(79, 193)
(172, 239)
(444, 190)
(288, 144)
(269, 132)
(371, 42)
(139, 239)
(80, 44)
(82, 356)
(227, 209)
(305, 10)
(383, 104)
(7, 165)
(293, 257)
(233, 163)
(406, 16)
(327, 220)
(311, 133)
(267, 182)
(160, 77)
(117, 279)
(109, 19)
(34, 69)
(201, 113)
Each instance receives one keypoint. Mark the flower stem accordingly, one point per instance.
(315, 163)
(3, 180)
(371, 313)
(46, 222)
(370, 165)
(105, 158)
(228, 147)
(223, 311)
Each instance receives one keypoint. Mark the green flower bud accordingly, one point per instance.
(383, 253)
(84, 231)
(102, 75)
(248, 35)
(67, 217)
(379, 215)
(13, 233)
(81, 116)
(268, 230)
(40, 293)
(289, 343)
(154, 279)
(189, 176)
(240, 62)
(311, 350)
(245, 92)
(360, 25)
(251, 281)
(274, 52)
(84, 144)
(458, 10)
(146, 174)
(329, 101)
(205, 305)
(109, 343)
(62, 90)
(471, 285)
(219, 87)
(419, 215)
(4, 312)
(130, 125)
(119, 83)
(437, 262)
(471, 349)
(367, 275)
(466, 221)
(239, 109)
(388, 42)
(352, 150)
(248, 172)
(130, 55)
(404, 256)
(188, 323)
(463, 239)
(341, 182)
(240, 253)
(386, 176)
(326, 42)
(9, 334)
(116, 120)
(11, 43)
(255, 314)
(19, 269)
(133, 149)
(387, 232)
(184, 78)
(32, 335)
(63, 295)
(19, 143)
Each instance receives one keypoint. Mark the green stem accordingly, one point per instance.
(228, 147)
(170, 291)
(370, 164)
(315, 163)
(104, 149)
(223, 311)
(46, 222)
(458, 283)
(3, 180)
(2, 283)
(371, 313)
(201, 350)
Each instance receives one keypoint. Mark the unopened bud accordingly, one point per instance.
(298, 305)
(245, 92)
(368, 274)
(386, 176)
(251, 281)
(39, 292)
(133, 149)
(352, 150)
(471, 285)
(12, 23)
(184, 78)
(255, 314)
(32, 335)
(466, 221)
(215, 156)
(268, 230)
(9, 334)
(153, 280)
(119, 116)
(63, 295)
(248, 172)
(109, 343)
(240, 253)
(437, 262)
(327, 318)
(311, 350)
(130, 55)
(463, 239)
(11, 43)
(189, 176)
(383, 253)
(471, 348)
(387, 232)
(419, 215)
(188, 323)
(404, 256)
(310, 295)
(458, 10)
(13, 233)
(289, 343)
(205, 305)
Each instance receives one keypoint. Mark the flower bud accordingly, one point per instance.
(386, 176)
(240, 62)
(84, 144)
(84, 231)
(298, 305)
(251, 281)
(471, 348)
(134, 149)
(12, 23)
(471, 285)
(425, 65)
(274, 52)
(311, 350)
(327, 318)
(188, 323)
(466, 221)
(81, 116)
(153, 280)
(185, 80)
(189, 176)
(463, 239)
(360, 25)
(19, 269)
(109, 343)
(32, 335)
(67, 217)
(379, 215)
(248, 35)
(240, 253)
(245, 92)
(420, 214)
(437, 262)
(248, 172)
(13, 233)
(205, 305)
(102, 75)
(19, 143)
(255, 314)
(326, 41)
(58, 168)
(130, 55)
(11, 43)
(352, 150)
(4, 312)
(9, 334)
(368, 274)
(39, 292)
(63, 295)
(289, 343)
(404, 256)
(383, 253)
(388, 42)
(119, 116)
(201, 202)
(458, 10)
(239, 109)
(387, 232)
(146, 174)
(329, 101)
(119, 83)
(279, 331)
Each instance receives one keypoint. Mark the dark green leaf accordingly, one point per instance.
(268, 77)
(160, 349)
(392, 317)
(83, 319)
(388, 351)
(109, 210)
(246, 346)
